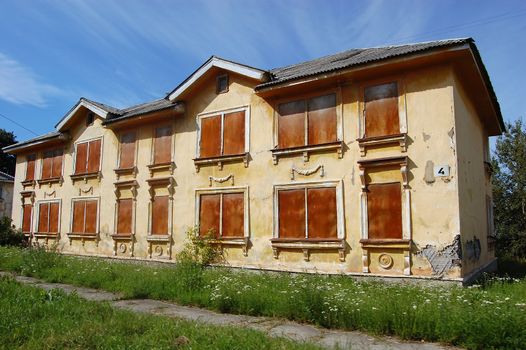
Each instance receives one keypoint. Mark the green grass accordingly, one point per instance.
(32, 318)
(490, 315)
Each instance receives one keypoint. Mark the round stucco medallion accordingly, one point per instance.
(385, 261)
(122, 248)
(159, 250)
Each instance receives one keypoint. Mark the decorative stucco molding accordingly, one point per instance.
(221, 179)
(307, 172)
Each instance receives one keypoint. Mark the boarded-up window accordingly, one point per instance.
(291, 124)
(124, 216)
(48, 217)
(210, 143)
(321, 204)
(87, 159)
(381, 110)
(85, 216)
(322, 119)
(26, 218)
(384, 211)
(222, 134)
(160, 215)
(308, 213)
(209, 214)
(52, 164)
(222, 214)
(307, 122)
(127, 156)
(162, 149)
(30, 167)
(234, 133)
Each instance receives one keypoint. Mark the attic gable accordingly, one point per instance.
(101, 110)
(241, 69)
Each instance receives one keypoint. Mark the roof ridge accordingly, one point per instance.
(419, 43)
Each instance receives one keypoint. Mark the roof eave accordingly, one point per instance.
(21, 146)
(81, 103)
(488, 86)
(213, 61)
(178, 108)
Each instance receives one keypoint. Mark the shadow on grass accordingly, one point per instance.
(512, 267)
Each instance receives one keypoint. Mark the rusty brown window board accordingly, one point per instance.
(48, 217)
(52, 164)
(85, 215)
(87, 158)
(381, 110)
(309, 121)
(308, 213)
(222, 134)
(127, 151)
(223, 213)
(384, 210)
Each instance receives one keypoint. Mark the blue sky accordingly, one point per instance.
(127, 52)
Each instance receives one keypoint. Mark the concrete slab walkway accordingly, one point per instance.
(271, 326)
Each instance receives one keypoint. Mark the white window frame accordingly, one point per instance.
(402, 105)
(88, 152)
(221, 191)
(80, 199)
(42, 162)
(35, 169)
(305, 97)
(31, 223)
(37, 211)
(152, 148)
(222, 112)
(120, 135)
(337, 184)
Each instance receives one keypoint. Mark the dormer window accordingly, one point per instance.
(222, 84)
(90, 118)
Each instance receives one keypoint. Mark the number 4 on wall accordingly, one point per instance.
(441, 170)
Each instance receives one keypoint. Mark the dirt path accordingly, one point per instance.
(271, 326)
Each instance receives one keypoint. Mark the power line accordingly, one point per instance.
(475, 23)
(20, 125)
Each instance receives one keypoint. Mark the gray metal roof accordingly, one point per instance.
(143, 108)
(41, 138)
(4, 177)
(350, 58)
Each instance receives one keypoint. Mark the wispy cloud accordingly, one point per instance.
(19, 85)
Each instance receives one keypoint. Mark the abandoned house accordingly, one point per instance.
(6, 194)
(371, 162)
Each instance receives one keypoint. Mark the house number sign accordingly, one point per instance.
(441, 170)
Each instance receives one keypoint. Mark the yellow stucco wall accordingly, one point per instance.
(474, 183)
(435, 221)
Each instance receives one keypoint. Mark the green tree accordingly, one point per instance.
(509, 191)
(7, 161)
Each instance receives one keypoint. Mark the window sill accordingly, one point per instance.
(306, 245)
(220, 160)
(232, 241)
(83, 237)
(158, 238)
(386, 243)
(161, 167)
(53, 180)
(28, 183)
(126, 171)
(365, 142)
(122, 236)
(45, 235)
(307, 150)
(86, 176)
